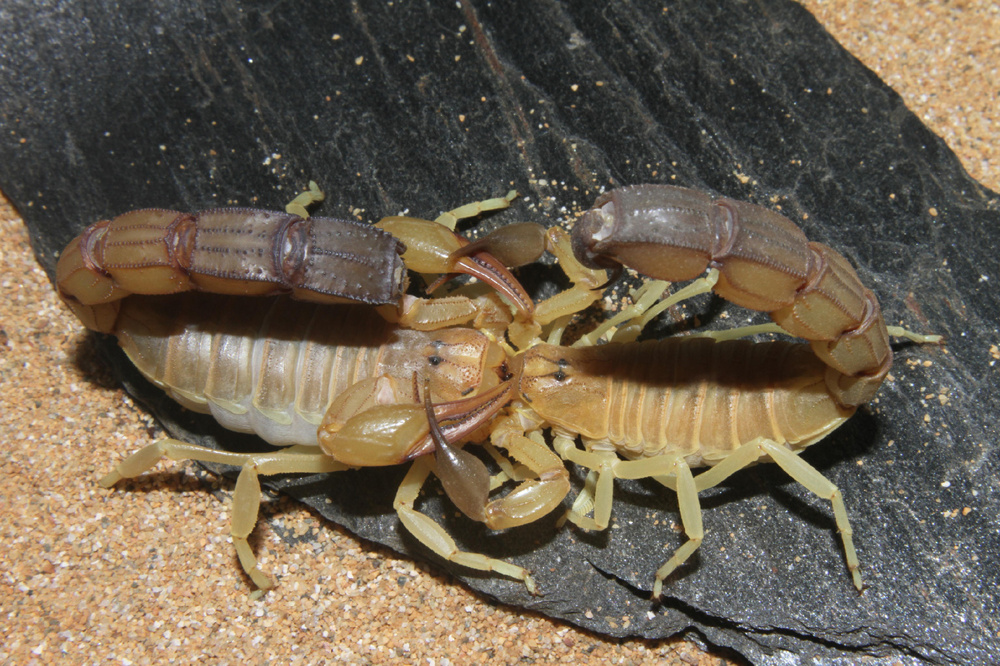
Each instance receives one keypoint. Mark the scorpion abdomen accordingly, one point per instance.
(692, 396)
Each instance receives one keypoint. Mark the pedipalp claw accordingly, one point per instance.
(460, 418)
(489, 269)
(513, 245)
(464, 477)
(429, 249)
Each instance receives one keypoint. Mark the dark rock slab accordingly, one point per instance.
(114, 106)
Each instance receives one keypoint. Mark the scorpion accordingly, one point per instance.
(348, 378)
(331, 381)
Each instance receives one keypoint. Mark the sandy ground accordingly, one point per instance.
(74, 554)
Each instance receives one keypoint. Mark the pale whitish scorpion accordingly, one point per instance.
(394, 378)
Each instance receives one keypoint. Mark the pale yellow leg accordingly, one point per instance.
(770, 327)
(450, 218)
(599, 494)
(436, 538)
(739, 332)
(583, 504)
(300, 204)
(900, 332)
(644, 298)
(690, 509)
(802, 472)
(647, 305)
(641, 317)
(671, 470)
(608, 467)
(246, 497)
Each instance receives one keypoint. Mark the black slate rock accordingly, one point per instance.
(424, 106)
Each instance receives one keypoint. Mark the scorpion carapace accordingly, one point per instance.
(345, 387)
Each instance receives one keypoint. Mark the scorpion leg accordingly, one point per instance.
(583, 504)
(301, 203)
(608, 467)
(247, 495)
(690, 508)
(800, 471)
(434, 537)
(649, 303)
(671, 470)
(674, 473)
(597, 492)
(451, 218)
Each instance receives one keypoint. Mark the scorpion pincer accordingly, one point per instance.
(334, 383)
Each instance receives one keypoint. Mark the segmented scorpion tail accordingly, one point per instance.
(765, 262)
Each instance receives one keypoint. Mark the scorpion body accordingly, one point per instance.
(669, 406)
(336, 385)
(274, 366)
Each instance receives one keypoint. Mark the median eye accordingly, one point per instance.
(559, 376)
(435, 360)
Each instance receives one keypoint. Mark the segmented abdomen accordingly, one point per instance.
(692, 396)
(270, 366)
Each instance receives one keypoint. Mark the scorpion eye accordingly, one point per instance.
(435, 360)
(559, 376)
